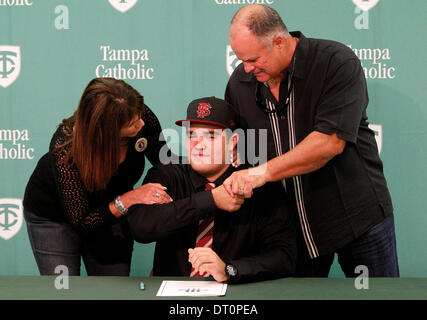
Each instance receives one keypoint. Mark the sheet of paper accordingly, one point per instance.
(191, 289)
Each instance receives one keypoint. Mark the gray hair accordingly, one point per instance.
(264, 22)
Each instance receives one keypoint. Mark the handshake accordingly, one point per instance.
(224, 201)
(228, 197)
(232, 193)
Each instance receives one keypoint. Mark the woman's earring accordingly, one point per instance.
(232, 162)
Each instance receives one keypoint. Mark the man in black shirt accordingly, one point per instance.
(311, 97)
(205, 231)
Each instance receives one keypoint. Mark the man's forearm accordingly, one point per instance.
(309, 155)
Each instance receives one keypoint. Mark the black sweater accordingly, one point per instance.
(56, 192)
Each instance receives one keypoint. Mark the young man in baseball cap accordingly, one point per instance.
(204, 231)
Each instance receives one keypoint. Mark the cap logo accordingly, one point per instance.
(203, 110)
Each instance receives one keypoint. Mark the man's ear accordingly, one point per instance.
(279, 41)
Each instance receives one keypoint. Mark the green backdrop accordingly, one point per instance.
(174, 51)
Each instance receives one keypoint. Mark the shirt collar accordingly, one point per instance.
(200, 181)
(300, 55)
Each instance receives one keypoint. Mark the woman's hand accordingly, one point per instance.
(149, 193)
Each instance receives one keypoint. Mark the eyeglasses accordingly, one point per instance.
(260, 101)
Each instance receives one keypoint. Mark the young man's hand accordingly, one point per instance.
(207, 263)
(224, 201)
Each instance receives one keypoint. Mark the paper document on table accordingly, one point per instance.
(191, 289)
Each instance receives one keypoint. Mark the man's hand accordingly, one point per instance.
(226, 202)
(241, 183)
(207, 263)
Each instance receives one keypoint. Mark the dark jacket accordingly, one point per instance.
(259, 239)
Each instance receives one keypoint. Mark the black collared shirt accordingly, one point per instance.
(349, 195)
(259, 238)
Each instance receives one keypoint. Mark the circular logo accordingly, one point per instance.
(141, 144)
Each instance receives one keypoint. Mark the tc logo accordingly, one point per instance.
(365, 5)
(10, 64)
(231, 60)
(10, 217)
(378, 130)
(123, 5)
(203, 110)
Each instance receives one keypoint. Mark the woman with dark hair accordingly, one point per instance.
(80, 190)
